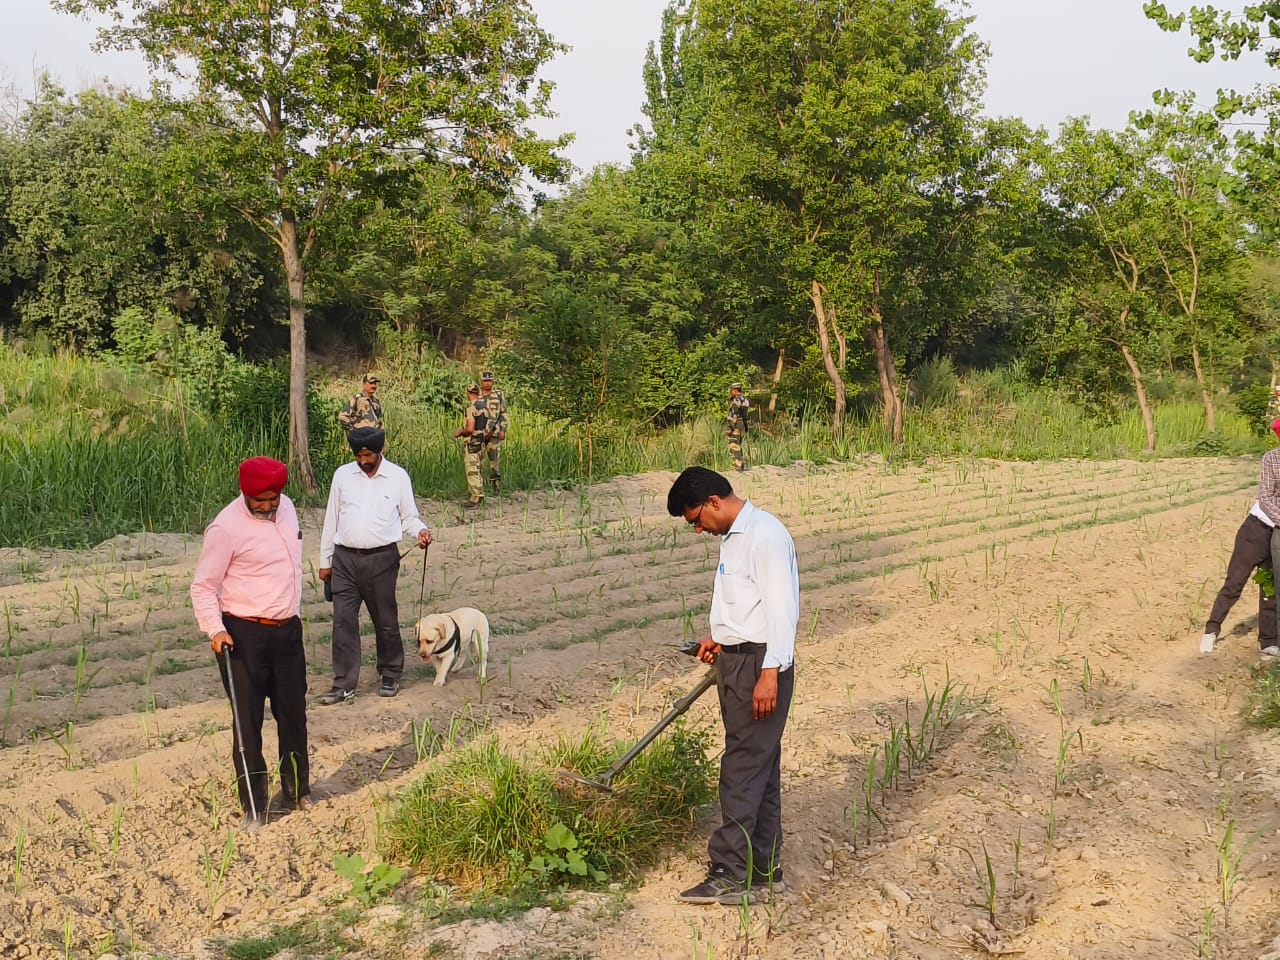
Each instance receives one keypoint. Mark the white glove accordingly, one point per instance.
(1207, 642)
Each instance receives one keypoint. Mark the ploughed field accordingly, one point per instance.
(1099, 796)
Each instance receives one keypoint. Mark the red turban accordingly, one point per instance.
(260, 474)
(1275, 426)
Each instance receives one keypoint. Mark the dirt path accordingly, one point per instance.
(1084, 582)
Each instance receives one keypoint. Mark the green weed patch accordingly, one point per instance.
(1263, 709)
(484, 820)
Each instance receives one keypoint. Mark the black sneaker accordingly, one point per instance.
(336, 696)
(388, 687)
(723, 889)
(769, 883)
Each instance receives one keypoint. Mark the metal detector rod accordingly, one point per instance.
(235, 719)
(681, 705)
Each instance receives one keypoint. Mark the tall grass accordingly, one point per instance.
(90, 449)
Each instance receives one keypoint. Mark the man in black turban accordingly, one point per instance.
(371, 506)
(372, 439)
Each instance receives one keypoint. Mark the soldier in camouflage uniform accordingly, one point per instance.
(496, 407)
(474, 430)
(737, 424)
(364, 410)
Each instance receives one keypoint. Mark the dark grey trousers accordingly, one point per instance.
(750, 769)
(368, 578)
(268, 663)
(1252, 549)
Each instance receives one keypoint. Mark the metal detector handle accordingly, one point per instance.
(678, 710)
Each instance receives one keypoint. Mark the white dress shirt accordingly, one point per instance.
(368, 511)
(757, 593)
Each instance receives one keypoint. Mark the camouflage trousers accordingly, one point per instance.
(495, 454)
(735, 449)
(471, 462)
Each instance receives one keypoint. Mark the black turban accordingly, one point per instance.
(367, 438)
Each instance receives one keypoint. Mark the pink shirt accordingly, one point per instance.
(248, 567)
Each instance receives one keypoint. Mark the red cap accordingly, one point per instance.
(261, 474)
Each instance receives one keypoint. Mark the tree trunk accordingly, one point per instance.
(777, 379)
(1148, 421)
(295, 274)
(824, 340)
(1210, 421)
(891, 403)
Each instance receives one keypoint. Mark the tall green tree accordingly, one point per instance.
(311, 104)
(1099, 182)
(95, 223)
(1195, 229)
(825, 144)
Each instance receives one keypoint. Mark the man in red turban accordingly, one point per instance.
(247, 595)
(259, 475)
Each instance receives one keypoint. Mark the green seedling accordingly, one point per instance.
(367, 885)
(1229, 865)
(215, 872)
(19, 855)
(986, 882)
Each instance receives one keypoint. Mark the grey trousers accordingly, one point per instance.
(1252, 549)
(750, 770)
(368, 578)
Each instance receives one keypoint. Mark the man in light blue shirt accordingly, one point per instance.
(755, 609)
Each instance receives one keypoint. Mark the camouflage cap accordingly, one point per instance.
(473, 388)
(735, 386)
(487, 375)
(370, 378)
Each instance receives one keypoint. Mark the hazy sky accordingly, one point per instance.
(1050, 59)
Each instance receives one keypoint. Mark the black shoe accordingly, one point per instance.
(388, 687)
(336, 696)
(721, 888)
(769, 882)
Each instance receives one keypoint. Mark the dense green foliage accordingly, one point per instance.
(815, 206)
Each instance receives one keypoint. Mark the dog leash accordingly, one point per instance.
(422, 590)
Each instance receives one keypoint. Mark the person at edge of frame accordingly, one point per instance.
(1254, 548)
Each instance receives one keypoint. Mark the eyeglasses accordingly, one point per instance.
(696, 522)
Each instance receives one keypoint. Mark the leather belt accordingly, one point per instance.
(265, 621)
(365, 551)
(743, 647)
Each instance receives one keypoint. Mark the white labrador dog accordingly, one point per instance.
(445, 637)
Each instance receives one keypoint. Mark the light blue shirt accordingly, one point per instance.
(757, 592)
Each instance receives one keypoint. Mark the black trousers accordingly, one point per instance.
(1252, 549)
(750, 769)
(368, 578)
(268, 663)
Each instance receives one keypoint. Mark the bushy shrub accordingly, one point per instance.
(1253, 402)
(934, 383)
(482, 819)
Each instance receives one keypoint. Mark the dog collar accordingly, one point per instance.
(453, 640)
